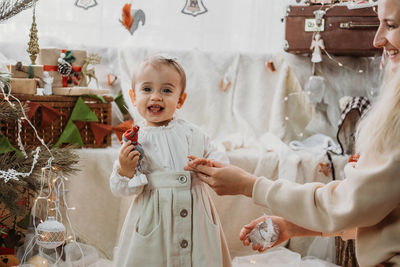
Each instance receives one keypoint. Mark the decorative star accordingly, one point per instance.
(325, 168)
(86, 4)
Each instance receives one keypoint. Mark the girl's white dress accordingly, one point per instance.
(172, 220)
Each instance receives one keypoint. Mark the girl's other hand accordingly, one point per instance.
(128, 160)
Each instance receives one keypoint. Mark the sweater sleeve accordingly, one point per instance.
(369, 192)
(123, 186)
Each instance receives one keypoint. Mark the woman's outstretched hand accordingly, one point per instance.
(224, 179)
(286, 231)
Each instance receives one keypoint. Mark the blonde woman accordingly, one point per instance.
(364, 206)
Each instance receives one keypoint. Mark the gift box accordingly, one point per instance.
(48, 57)
(51, 115)
(31, 71)
(23, 86)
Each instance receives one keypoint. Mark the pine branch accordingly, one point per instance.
(12, 191)
(10, 8)
(8, 112)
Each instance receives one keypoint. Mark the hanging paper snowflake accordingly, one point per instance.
(194, 8)
(86, 4)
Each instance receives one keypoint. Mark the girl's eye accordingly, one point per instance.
(146, 89)
(166, 90)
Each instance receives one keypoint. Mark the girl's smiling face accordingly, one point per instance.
(157, 93)
(388, 34)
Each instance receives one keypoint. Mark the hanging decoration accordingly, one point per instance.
(82, 114)
(229, 77)
(269, 64)
(121, 128)
(33, 44)
(50, 233)
(316, 46)
(194, 8)
(48, 113)
(225, 83)
(85, 4)
(131, 18)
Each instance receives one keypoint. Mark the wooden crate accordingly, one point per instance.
(51, 134)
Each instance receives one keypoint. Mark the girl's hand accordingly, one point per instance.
(128, 160)
(194, 162)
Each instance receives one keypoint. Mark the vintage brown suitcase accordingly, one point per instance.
(344, 31)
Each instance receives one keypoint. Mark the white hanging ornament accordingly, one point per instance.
(315, 89)
(50, 233)
(316, 45)
(194, 8)
(225, 83)
(85, 4)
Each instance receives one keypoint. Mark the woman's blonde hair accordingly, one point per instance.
(158, 60)
(379, 131)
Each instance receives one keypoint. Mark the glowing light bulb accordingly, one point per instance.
(340, 64)
(286, 118)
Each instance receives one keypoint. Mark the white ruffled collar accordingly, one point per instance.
(170, 125)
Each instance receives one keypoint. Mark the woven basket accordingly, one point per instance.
(51, 134)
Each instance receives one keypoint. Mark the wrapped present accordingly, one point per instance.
(23, 86)
(24, 71)
(66, 73)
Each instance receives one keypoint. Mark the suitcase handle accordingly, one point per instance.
(352, 25)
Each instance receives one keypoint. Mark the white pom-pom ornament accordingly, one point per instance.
(50, 233)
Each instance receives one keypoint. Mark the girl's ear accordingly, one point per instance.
(133, 96)
(181, 100)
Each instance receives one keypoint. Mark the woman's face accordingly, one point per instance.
(388, 34)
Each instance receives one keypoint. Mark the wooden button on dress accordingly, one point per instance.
(184, 243)
(182, 179)
(184, 213)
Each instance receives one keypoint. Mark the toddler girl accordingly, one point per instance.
(172, 220)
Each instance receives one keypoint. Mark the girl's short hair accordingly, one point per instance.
(167, 61)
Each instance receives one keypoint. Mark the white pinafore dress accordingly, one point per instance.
(172, 220)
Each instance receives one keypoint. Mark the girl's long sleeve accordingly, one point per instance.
(124, 186)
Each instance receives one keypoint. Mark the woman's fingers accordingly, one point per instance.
(205, 178)
(207, 170)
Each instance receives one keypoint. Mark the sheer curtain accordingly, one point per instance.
(253, 26)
